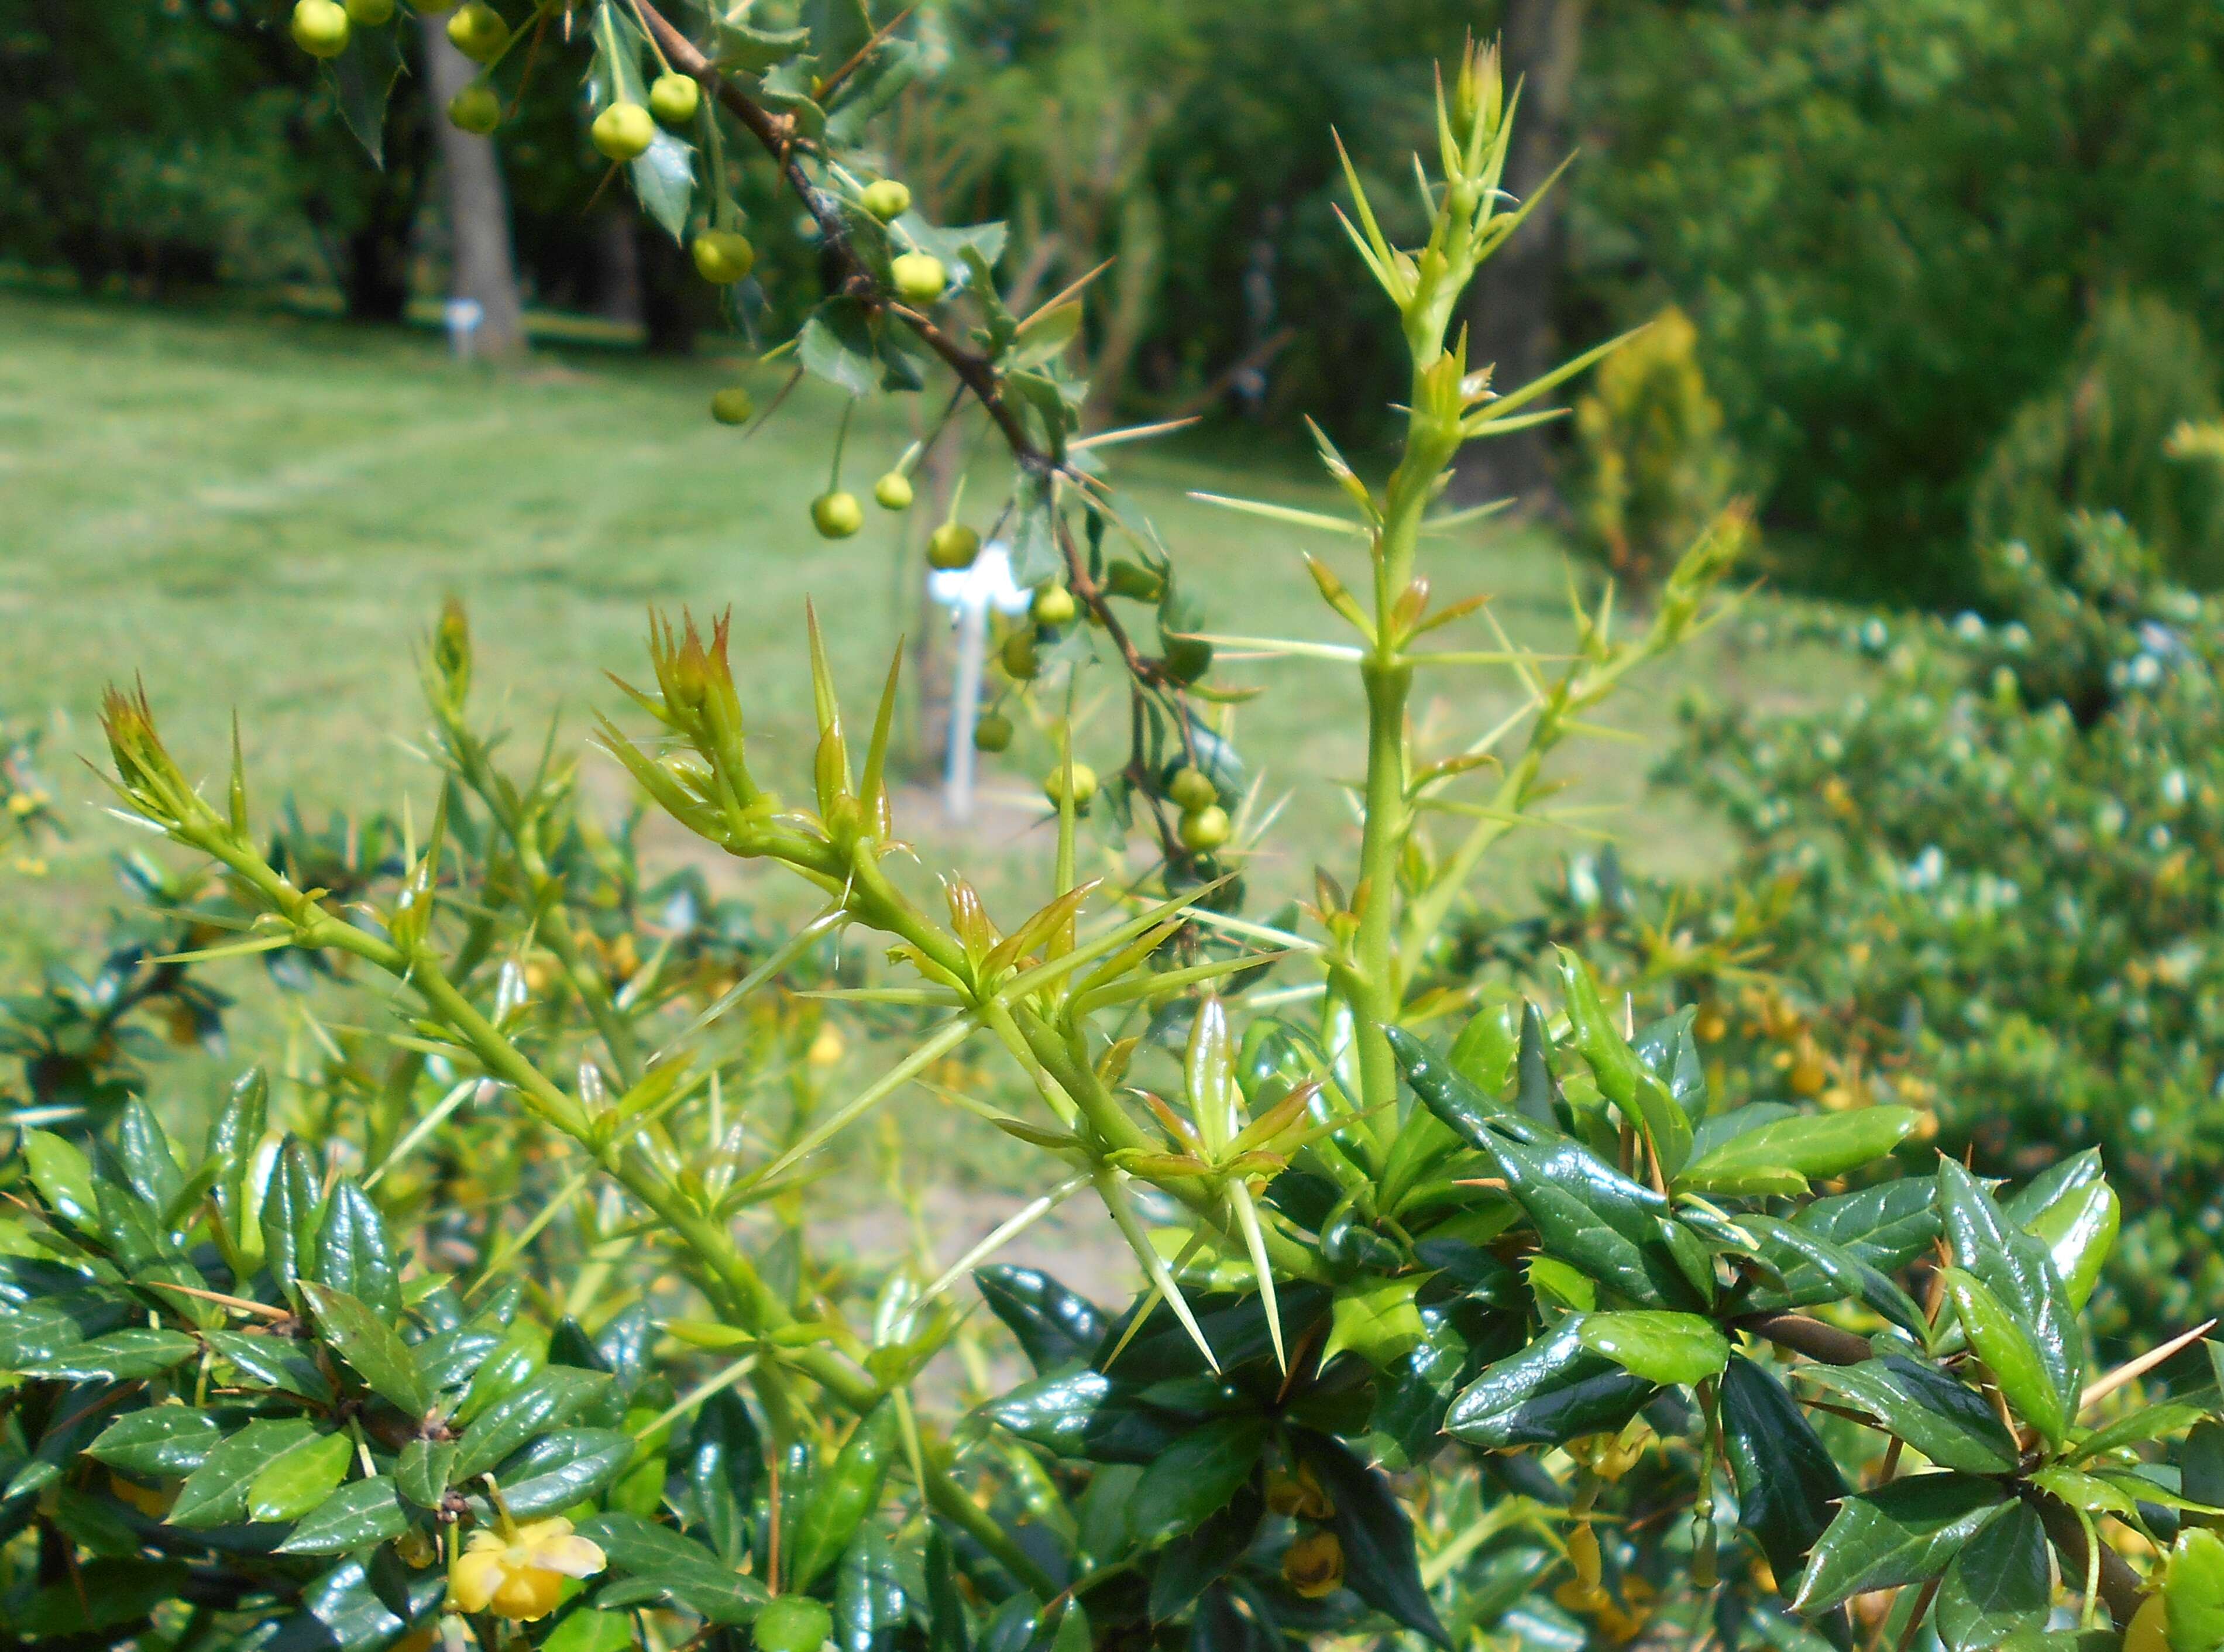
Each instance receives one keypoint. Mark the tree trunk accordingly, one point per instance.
(1509, 310)
(484, 269)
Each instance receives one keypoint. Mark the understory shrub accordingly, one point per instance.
(1987, 884)
(495, 1315)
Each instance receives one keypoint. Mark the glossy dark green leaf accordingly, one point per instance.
(1887, 1226)
(424, 1471)
(1625, 1080)
(868, 1594)
(1193, 1562)
(1816, 1269)
(1489, 1048)
(2200, 1461)
(2010, 1353)
(660, 1564)
(2001, 1583)
(233, 1136)
(41, 1329)
(565, 1466)
(1670, 1349)
(946, 1627)
(845, 1494)
(371, 1346)
(1197, 1475)
(143, 1153)
(353, 1254)
(1784, 1156)
(299, 1477)
(2018, 1270)
(1900, 1533)
(1671, 1049)
(118, 1356)
(1553, 1391)
(1056, 1328)
(161, 1440)
(143, 1245)
(1474, 1115)
(1380, 1565)
(1788, 1484)
(548, 1400)
(1592, 1216)
(344, 1609)
(1712, 1133)
(63, 1176)
(292, 1205)
(725, 1460)
(1946, 1421)
(1085, 1414)
(215, 1494)
(450, 1358)
(279, 1363)
(358, 1515)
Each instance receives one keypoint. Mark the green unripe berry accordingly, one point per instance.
(370, 14)
(674, 98)
(319, 28)
(1192, 789)
(1021, 663)
(953, 545)
(888, 200)
(1187, 658)
(1204, 830)
(919, 277)
(476, 109)
(793, 1624)
(623, 131)
(732, 406)
(837, 515)
(893, 491)
(722, 256)
(478, 31)
(1053, 606)
(992, 732)
(1084, 785)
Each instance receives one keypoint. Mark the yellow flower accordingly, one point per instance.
(1314, 1565)
(522, 1575)
(826, 1047)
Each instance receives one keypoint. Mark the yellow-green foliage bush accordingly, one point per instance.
(1654, 468)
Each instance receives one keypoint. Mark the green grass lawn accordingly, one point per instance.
(259, 513)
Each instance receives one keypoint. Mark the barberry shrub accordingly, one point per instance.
(1509, 1333)
(1985, 882)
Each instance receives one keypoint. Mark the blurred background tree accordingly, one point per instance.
(1771, 168)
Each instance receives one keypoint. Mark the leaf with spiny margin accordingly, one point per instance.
(355, 1517)
(2001, 1583)
(1945, 1421)
(215, 1494)
(1787, 1482)
(353, 1254)
(1900, 1533)
(161, 1440)
(2018, 1270)
(371, 1346)
(121, 1356)
(298, 1478)
(549, 1400)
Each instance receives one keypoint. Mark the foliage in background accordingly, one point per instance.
(1887, 217)
(1652, 467)
(1987, 884)
(2099, 440)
